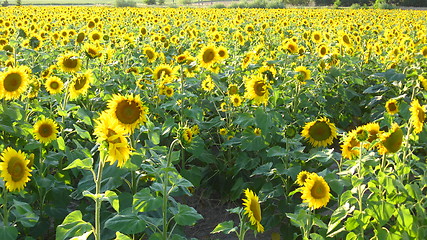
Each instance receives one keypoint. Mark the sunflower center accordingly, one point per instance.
(392, 107)
(54, 85)
(150, 54)
(318, 190)
(163, 73)
(45, 130)
(12, 82)
(80, 83)
(320, 131)
(221, 53)
(208, 56)
(345, 39)
(421, 115)
(70, 62)
(16, 168)
(236, 100)
(113, 137)
(317, 37)
(92, 52)
(323, 51)
(96, 36)
(128, 112)
(259, 88)
(256, 210)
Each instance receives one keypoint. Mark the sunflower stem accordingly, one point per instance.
(98, 201)
(165, 192)
(5, 209)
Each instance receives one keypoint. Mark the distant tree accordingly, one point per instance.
(5, 3)
(323, 2)
(18, 3)
(298, 2)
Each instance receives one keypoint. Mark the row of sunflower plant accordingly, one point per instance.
(111, 118)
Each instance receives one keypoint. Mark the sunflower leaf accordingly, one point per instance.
(24, 214)
(73, 225)
(8, 233)
(225, 227)
(81, 164)
(186, 215)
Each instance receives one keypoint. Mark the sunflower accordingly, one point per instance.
(423, 82)
(418, 116)
(80, 84)
(187, 135)
(45, 130)
(233, 89)
(236, 100)
(54, 85)
(302, 177)
(345, 39)
(253, 209)
(320, 133)
(257, 89)
(208, 84)
(208, 56)
(247, 59)
(315, 192)
(150, 53)
(349, 148)
(322, 50)
(316, 37)
(424, 51)
(95, 36)
(391, 106)
(93, 50)
(80, 37)
(257, 131)
(13, 82)
(168, 91)
(70, 62)
(303, 74)
(14, 169)
(110, 132)
(222, 53)
(391, 140)
(163, 71)
(223, 131)
(128, 110)
(291, 47)
(373, 130)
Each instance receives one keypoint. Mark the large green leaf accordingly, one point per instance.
(24, 214)
(128, 224)
(144, 201)
(186, 215)
(81, 164)
(73, 226)
(225, 227)
(8, 233)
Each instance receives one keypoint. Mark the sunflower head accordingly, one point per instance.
(222, 53)
(257, 89)
(13, 82)
(303, 74)
(150, 53)
(320, 133)
(418, 116)
(236, 100)
(315, 192)
(14, 169)
(187, 135)
(252, 209)
(349, 148)
(70, 62)
(302, 177)
(45, 130)
(391, 141)
(208, 84)
(129, 111)
(92, 50)
(54, 85)
(392, 106)
(208, 56)
(163, 71)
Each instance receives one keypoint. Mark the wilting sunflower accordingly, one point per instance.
(208, 84)
(110, 132)
(13, 82)
(80, 84)
(392, 106)
(54, 85)
(303, 74)
(208, 56)
(128, 110)
(315, 191)
(70, 62)
(257, 89)
(391, 140)
(253, 209)
(14, 169)
(349, 148)
(150, 53)
(320, 133)
(45, 130)
(302, 177)
(418, 116)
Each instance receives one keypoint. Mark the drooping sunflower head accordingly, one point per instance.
(113, 137)
(291, 47)
(70, 62)
(320, 133)
(80, 37)
(14, 169)
(208, 56)
(80, 84)
(253, 209)
(93, 50)
(54, 85)
(256, 88)
(392, 106)
(373, 130)
(302, 177)
(391, 141)
(303, 73)
(315, 192)
(128, 110)
(13, 82)
(418, 116)
(45, 130)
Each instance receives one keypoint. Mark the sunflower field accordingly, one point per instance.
(311, 120)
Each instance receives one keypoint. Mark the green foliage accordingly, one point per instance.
(297, 2)
(125, 3)
(150, 2)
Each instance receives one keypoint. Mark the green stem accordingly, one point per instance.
(5, 209)
(165, 190)
(98, 201)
